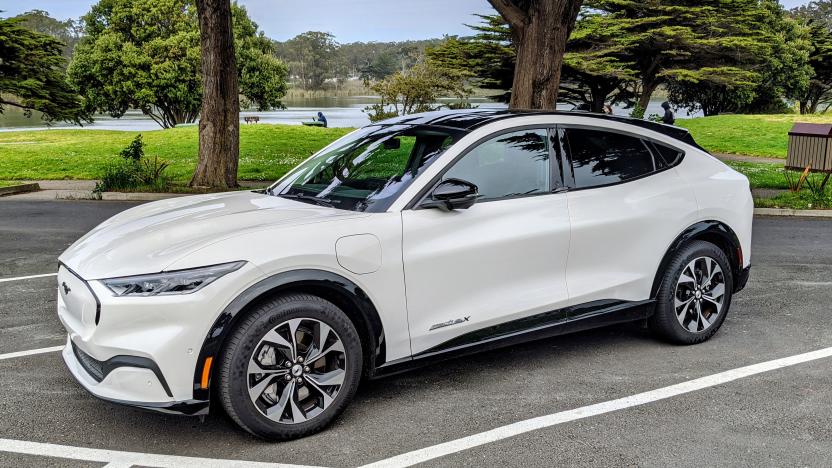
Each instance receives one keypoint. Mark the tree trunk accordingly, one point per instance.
(540, 33)
(219, 124)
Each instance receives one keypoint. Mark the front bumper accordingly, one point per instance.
(144, 351)
(127, 381)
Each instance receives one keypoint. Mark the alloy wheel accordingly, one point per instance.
(296, 371)
(700, 294)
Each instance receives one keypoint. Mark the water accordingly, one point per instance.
(339, 111)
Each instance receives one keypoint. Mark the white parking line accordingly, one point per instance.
(30, 352)
(6, 280)
(116, 458)
(521, 427)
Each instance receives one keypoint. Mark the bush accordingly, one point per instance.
(134, 172)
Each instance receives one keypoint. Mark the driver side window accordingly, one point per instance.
(506, 166)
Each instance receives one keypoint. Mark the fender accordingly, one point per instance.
(333, 287)
(716, 232)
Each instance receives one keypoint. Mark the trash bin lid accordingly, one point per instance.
(810, 129)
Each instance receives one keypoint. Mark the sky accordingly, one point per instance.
(348, 20)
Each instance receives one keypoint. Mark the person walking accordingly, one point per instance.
(668, 117)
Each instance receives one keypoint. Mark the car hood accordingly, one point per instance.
(150, 237)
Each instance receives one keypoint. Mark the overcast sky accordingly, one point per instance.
(348, 20)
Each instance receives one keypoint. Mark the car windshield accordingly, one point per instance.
(368, 169)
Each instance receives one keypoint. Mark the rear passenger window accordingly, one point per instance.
(604, 158)
(670, 155)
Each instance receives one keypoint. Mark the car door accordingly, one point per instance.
(626, 205)
(499, 261)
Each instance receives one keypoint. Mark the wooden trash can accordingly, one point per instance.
(810, 145)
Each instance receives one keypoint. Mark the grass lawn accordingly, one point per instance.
(266, 151)
(761, 175)
(751, 135)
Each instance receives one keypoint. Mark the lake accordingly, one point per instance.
(339, 111)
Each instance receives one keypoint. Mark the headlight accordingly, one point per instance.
(172, 282)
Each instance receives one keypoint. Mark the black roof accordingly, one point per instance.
(469, 119)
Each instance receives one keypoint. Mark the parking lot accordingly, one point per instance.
(608, 397)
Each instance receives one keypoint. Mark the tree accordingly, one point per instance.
(68, 31)
(219, 126)
(32, 74)
(488, 57)
(540, 30)
(818, 17)
(145, 54)
(773, 65)
(416, 90)
(312, 57)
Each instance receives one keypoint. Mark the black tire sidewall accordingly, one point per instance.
(664, 320)
(247, 335)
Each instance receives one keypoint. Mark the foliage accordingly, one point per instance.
(133, 171)
(416, 90)
(818, 17)
(369, 61)
(145, 54)
(32, 74)
(311, 58)
(134, 151)
(68, 31)
(487, 57)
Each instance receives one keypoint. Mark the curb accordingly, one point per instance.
(15, 189)
(115, 196)
(795, 213)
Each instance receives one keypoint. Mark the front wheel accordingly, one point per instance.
(290, 367)
(694, 296)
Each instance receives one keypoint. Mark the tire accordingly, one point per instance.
(287, 400)
(683, 315)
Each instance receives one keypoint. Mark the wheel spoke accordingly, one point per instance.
(321, 335)
(298, 415)
(687, 278)
(335, 377)
(257, 390)
(326, 397)
(276, 411)
(683, 304)
(717, 292)
(276, 338)
(337, 347)
(255, 368)
(293, 330)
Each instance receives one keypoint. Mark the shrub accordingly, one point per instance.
(134, 172)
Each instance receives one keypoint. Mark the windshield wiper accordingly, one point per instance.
(316, 200)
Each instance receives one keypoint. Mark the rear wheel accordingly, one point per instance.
(694, 296)
(290, 367)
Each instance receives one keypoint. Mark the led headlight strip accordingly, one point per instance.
(171, 282)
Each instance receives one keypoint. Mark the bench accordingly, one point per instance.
(251, 119)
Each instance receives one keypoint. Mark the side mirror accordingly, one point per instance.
(392, 144)
(452, 194)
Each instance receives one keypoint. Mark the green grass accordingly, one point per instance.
(803, 200)
(266, 151)
(761, 175)
(751, 135)
(8, 183)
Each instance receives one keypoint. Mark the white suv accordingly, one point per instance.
(404, 242)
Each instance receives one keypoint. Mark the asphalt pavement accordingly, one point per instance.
(781, 417)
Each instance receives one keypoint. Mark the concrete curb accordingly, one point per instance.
(789, 212)
(15, 189)
(115, 196)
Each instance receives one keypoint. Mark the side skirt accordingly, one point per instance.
(546, 325)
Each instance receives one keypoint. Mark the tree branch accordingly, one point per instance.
(515, 16)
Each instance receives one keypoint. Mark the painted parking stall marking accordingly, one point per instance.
(19, 278)
(31, 352)
(528, 425)
(115, 458)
